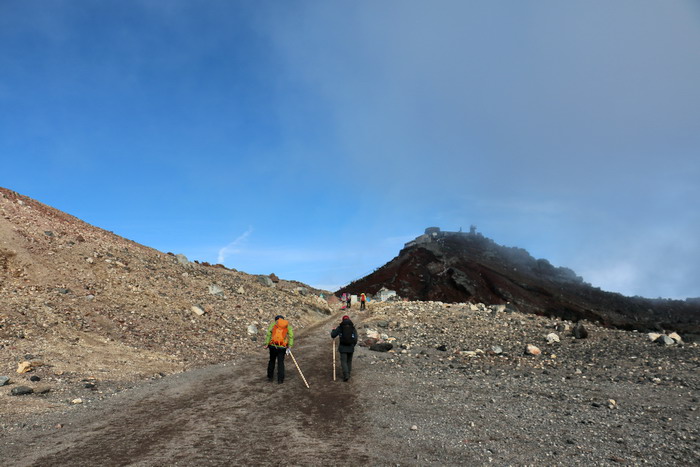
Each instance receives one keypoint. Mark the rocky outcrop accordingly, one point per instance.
(468, 267)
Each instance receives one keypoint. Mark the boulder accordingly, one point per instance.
(182, 259)
(266, 281)
(381, 347)
(273, 277)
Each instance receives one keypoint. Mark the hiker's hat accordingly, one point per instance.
(345, 317)
(279, 317)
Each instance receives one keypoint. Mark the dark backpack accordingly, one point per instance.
(348, 334)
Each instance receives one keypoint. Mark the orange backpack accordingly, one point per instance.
(279, 333)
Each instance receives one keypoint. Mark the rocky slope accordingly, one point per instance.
(85, 304)
(468, 267)
(461, 385)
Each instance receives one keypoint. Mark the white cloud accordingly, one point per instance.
(233, 247)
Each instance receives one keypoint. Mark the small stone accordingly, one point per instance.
(532, 350)
(665, 340)
(496, 349)
(653, 336)
(76, 401)
(34, 378)
(27, 366)
(552, 338)
(197, 310)
(252, 329)
(676, 337)
(21, 391)
(414, 428)
(612, 404)
(4, 380)
(216, 290)
(579, 331)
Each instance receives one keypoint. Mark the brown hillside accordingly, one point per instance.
(87, 303)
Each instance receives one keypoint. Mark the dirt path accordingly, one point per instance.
(222, 415)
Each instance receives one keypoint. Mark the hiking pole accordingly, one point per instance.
(333, 349)
(297, 365)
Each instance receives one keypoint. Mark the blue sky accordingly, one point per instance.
(312, 139)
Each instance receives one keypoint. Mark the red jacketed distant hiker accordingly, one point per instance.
(348, 338)
(363, 299)
(280, 338)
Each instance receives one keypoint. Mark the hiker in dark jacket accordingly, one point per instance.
(348, 338)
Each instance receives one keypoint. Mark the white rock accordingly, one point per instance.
(76, 401)
(197, 310)
(552, 338)
(252, 329)
(653, 336)
(216, 290)
(532, 350)
(414, 428)
(676, 337)
(240, 291)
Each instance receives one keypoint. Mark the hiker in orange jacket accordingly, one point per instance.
(280, 338)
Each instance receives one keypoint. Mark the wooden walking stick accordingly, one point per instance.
(333, 349)
(297, 365)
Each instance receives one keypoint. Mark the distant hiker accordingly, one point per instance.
(280, 338)
(349, 301)
(348, 338)
(363, 299)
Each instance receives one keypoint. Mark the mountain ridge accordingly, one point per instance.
(455, 267)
